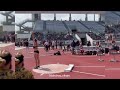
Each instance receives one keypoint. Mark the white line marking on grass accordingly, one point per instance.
(89, 66)
(89, 73)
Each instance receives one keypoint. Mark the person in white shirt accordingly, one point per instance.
(53, 44)
(46, 45)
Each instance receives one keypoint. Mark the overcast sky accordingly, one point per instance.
(21, 17)
(2, 18)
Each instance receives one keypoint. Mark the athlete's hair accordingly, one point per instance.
(6, 56)
(19, 57)
(35, 40)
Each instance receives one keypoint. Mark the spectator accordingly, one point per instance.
(60, 44)
(46, 45)
(27, 44)
(20, 71)
(77, 43)
(49, 45)
(82, 50)
(88, 43)
(53, 44)
(68, 47)
(56, 43)
(6, 65)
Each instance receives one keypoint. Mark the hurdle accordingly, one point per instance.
(100, 54)
(113, 53)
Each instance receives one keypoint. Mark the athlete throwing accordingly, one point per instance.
(36, 52)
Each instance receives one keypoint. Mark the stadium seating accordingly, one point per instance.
(112, 18)
(95, 27)
(38, 26)
(95, 37)
(55, 26)
(76, 25)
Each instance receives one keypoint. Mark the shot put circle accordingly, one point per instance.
(51, 68)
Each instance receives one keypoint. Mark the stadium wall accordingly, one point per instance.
(22, 36)
(9, 28)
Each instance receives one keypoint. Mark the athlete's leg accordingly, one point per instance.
(35, 56)
(38, 59)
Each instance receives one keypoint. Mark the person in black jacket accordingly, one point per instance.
(88, 43)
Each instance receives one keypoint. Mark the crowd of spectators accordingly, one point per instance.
(22, 43)
(6, 68)
(95, 37)
(8, 37)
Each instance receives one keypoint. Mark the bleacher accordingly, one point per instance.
(101, 23)
(56, 36)
(58, 30)
(117, 12)
(39, 36)
(117, 28)
(112, 18)
(38, 26)
(94, 26)
(55, 26)
(113, 29)
(108, 30)
(76, 25)
(95, 37)
(59, 26)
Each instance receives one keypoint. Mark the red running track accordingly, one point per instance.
(86, 67)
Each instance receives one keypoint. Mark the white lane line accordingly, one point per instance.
(19, 48)
(89, 73)
(6, 44)
(67, 52)
(38, 47)
(86, 56)
(89, 66)
(43, 55)
(41, 74)
(28, 57)
(30, 52)
(112, 69)
(24, 57)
